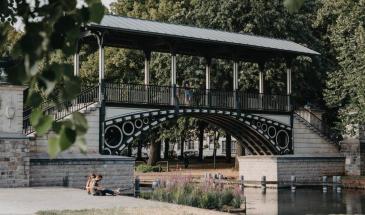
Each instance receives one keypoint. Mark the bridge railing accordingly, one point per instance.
(138, 94)
(87, 97)
(193, 97)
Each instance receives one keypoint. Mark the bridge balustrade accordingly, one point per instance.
(139, 94)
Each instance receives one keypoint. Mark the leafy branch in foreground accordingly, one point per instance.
(49, 28)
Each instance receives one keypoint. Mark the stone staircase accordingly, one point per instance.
(311, 135)
(87, 103)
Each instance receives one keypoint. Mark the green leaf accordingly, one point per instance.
(81, 144)
(80, 123)
(67, 137)
(53, 146)
(57, 127)
(35, 116)
(34, 99)
(44, 125)
(293, 5)
(96, 12)
(72, 88)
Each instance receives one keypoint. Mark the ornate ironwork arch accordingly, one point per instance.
(260, 135)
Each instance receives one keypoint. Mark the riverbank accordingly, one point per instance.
(353, 182)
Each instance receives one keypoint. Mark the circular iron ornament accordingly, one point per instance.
(271, 131)
(282, 139)
(286, 151)
(258, 124)
(113, 136)
(128, 128)
(264, 127)
(146, 121)
(138, 123)
(107, 151)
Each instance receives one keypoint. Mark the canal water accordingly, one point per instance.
(304, 201)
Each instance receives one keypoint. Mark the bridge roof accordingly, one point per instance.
(149, 35)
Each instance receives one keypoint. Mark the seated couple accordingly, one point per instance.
(93, 186)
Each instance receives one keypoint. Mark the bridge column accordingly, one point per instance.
(235, 84)
(76, 66)
(207, 80)
(173, 78)
(77, 61)
(101, 65)
(261, 85)
(147, 60)
(289, 82)
(261, 78)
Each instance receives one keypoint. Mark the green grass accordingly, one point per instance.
(147, 168)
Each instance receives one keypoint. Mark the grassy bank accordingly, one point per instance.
(208, 195)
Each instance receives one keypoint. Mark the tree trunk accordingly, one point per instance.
(228, 147)
(182, 140)
(152, 158)
(201, 142)
(139, 150)
(158, 153)
(167, 149)
(239, 150)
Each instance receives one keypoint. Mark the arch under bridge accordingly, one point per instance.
(261, 123)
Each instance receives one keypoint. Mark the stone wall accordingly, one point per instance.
(40, 144)
(68, 171)
(279, 169)
(11, 108)
(14, 161)
(353, 147)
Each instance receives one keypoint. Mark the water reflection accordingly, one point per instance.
(304, 201)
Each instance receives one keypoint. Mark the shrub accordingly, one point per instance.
(182, 191)
(237, 201)
(226, 198)
(147, 168)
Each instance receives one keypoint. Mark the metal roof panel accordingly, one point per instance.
(154, 27)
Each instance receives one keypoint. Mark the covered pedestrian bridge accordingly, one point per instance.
(261, 122)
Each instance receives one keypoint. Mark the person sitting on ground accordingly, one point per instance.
(89, 182)
(98, 190)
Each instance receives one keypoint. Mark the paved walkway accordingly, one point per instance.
(18, 201)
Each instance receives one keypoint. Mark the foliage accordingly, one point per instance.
(293, 5)
(49, 27)
(147, 168)
(342, 26)
(182, 190)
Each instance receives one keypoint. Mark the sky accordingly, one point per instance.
(107, 2)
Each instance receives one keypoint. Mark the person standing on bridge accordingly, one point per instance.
(187, 93)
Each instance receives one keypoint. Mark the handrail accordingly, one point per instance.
(139, 94)
(49, 102)
(318, 124)
(190, 88)
(84, 99)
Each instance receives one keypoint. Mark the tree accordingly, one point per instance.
(342, 23)
(49, 27)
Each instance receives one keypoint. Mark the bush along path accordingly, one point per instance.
(208, 195)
